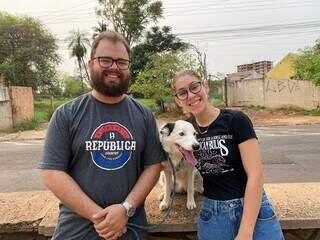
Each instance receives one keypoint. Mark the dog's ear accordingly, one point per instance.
(167, 129)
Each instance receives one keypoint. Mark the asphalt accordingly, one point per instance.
(291, 161)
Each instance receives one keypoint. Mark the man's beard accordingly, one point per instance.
(111, 89)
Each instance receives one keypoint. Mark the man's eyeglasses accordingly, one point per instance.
(193, 87)
(106, 62)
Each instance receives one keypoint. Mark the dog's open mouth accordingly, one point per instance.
(188, 155)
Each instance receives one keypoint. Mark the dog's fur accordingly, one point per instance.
(179, 141)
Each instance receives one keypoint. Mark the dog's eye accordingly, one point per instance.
(181, 133)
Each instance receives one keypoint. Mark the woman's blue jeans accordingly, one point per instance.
(220, 220)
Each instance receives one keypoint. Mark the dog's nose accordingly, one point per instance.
(195, 146)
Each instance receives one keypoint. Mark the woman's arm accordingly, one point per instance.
(251, 159)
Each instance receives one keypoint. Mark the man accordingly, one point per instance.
(102, 153)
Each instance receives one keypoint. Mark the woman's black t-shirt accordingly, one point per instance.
(219, 160)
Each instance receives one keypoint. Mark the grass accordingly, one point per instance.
(43, 110)
(29, 125)
(151, 103)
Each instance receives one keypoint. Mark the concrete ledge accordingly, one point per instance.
(297, 206)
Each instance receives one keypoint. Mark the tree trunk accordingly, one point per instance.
(81, 78)
(85, 68)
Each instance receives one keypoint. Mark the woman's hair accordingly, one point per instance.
(183, 73)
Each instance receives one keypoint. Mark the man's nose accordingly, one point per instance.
(114, 65)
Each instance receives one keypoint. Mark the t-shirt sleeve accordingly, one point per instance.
(242, 128)
(56, 151)
(153, 152)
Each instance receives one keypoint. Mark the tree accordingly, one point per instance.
(73, 87)
(154, 81)
(28, 54)
(78, 43)
(156, 41)
(307, 65)
(129, 17)
(102, 26)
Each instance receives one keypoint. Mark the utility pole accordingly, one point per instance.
(225, 91)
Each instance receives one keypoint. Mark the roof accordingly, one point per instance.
(283, 69)
(248, 75)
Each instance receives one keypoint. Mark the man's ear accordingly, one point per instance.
(90, 64)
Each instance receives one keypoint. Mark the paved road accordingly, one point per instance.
(290, 154)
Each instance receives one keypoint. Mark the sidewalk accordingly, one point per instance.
(297, 206)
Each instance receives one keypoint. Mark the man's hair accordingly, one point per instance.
(110, 36)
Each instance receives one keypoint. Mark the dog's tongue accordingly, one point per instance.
(189, 156)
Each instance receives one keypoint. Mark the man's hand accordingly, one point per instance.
(110, 223)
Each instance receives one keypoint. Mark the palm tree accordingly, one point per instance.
(102, 26)
(78, 43)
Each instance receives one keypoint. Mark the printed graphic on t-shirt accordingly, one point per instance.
(212, 153)
(111, 146)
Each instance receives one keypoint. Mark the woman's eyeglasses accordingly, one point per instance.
(193, 87)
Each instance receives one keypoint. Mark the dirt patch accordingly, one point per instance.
(269, 118)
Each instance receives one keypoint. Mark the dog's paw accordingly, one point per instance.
(191, 205)
(164, 206)
(160, 197)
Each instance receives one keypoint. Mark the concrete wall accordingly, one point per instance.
(245, 93)
(5, 110)
(274, 93)
(22, 104)
(5, 116)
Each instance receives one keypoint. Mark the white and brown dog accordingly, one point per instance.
(179, 141)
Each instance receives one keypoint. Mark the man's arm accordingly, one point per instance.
(115, 215)
(70, 193)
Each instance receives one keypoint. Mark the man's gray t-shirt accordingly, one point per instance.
(104, 148)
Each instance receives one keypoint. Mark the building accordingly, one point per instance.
(261, 67)
(248, 75)
(1, 80)
(284, 69)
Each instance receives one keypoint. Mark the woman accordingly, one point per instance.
(229, 160)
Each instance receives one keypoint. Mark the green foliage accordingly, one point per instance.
(215, 91)
(28, 54)
(28, 125)
(44, 107)
(129, 17)
(78, 43)
(307, 65)
(154, 81)
(148, 102)
(156, 41)
(73, 87)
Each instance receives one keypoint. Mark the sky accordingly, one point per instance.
(229, 32)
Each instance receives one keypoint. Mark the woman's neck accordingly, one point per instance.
(207, 116)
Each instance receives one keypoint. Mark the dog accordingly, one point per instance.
(179, 141)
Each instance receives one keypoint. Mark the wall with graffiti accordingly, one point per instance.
(274, 93)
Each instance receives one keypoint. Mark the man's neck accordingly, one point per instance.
(107, 99)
